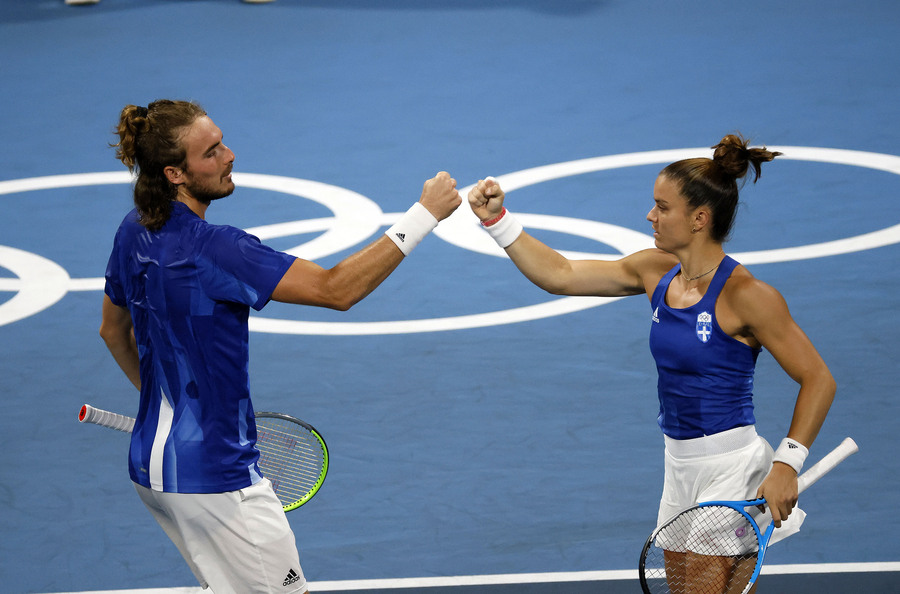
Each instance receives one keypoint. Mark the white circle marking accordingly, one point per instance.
(41, 283)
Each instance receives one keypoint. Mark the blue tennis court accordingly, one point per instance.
(485, 436)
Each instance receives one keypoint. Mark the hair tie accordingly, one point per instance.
(142, 112)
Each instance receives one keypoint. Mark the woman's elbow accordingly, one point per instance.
(825, 386)
(830, 386)
(556, 289)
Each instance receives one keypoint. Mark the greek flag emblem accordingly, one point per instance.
(704, 326)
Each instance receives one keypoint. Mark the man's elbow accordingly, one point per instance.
(113, 336)
(341, 297)
(105, 333)
(342, 303)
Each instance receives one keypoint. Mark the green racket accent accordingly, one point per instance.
(292, 455)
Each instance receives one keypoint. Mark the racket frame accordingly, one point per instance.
(123, 423)
(804, 481)
(292, 505)
(740, 506)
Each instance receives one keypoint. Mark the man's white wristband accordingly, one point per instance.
(411, 228)
(791, 452)
(505, 229)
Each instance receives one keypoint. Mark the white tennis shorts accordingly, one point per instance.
(237, 542)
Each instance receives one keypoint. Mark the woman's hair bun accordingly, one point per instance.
(734, 156)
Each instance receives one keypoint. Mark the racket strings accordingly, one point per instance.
(291, 456)
(705, 550)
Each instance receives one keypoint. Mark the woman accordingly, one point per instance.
(711, 318)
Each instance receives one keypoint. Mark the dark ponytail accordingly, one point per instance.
(734, 156)
(150, 141)
(714, 182)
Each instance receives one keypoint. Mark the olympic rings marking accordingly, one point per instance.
(41, 282)
(462, 230)
(356, 217)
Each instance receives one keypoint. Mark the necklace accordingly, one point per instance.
(693, 278)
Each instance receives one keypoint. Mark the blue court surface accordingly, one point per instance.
(485, 436)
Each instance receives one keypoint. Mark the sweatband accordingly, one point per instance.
(505, 229)
(791, 452)
(411, 228)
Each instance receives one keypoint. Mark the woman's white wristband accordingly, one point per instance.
(791, 452)
(411, 228)
(505, 229)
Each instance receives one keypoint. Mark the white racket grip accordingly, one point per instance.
(104, 418)
(827, 463)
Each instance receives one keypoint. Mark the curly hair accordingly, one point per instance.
(150, 141)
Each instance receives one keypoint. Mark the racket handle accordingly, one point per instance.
(104, 418)
(827, 463)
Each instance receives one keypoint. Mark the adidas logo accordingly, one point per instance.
(292, 577)
(401, 237)
(655, 316)
(792, 446)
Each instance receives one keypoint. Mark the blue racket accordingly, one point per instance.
(716, 547)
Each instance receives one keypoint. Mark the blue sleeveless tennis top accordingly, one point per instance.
(705, 376)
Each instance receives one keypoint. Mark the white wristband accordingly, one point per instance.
(505, 230)
(411, 228)
(791, 452)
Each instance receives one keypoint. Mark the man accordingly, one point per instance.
(177, 300)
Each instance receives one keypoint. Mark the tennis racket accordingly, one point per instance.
(716, 547)
(292, 454)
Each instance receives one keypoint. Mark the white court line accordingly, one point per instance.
(527, 578)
